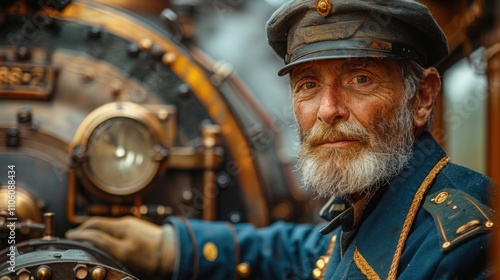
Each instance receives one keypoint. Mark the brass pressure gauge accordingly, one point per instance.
(120, 146)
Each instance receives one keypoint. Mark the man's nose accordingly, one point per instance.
(333, 107)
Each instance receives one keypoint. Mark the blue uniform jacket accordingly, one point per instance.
(430, 222)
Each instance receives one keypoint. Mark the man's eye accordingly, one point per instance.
(308, 85)
(360, 79)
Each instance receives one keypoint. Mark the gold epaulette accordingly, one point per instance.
(458, 217)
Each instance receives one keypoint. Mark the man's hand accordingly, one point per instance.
(139, 245)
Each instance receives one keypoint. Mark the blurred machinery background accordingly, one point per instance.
(157, 108)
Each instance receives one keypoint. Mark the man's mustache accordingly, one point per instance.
(322, 133)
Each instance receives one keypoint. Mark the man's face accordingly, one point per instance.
(354, 123)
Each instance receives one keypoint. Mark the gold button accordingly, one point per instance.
(441, 197)
(316, 274)
(243, 270)
(320, 263)
(210, 251)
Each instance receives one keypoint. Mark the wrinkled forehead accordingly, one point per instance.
(343, 65)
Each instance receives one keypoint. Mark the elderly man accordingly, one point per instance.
(364, 86)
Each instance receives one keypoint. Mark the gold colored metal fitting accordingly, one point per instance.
(243, 270)
(446, 245)
(489, 224)
(467, 227)
(145, 44)
(321, 263)
(323, 7)
(210, 251)
(43, 273)
(99, 273)
(23, 274)
(441, 197)
(169, 58)
(316, 274)
(80, 271)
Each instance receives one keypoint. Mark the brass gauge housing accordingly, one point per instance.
(120, 148)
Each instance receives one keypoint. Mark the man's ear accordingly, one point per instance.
(426, 96)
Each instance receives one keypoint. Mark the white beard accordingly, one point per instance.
(342, 172)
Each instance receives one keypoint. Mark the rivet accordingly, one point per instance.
(133, 50)
(157, 52)
(23, 274)
(143, 209)
(235, 217)
(81, 271)
(446, 245)
(162, 114)
(99, 273)
(24, 116)
(13, 137)
(454, 207)
(145, 44)
(168, 58)
(43, 273)
(223, 179)
(95, 32)
(489, 224)
(183, 90)
(23, 53)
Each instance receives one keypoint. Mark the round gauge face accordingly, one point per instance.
(119, 155)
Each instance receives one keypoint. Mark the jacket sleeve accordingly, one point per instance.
(221, 250)
(469, 261)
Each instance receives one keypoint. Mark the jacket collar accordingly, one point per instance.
(388, 216)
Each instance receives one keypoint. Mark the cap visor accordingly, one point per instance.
(337, 54)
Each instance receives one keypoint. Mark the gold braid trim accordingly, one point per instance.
(364, 266)
(415, 205)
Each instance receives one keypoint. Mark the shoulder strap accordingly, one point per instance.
(458, 217)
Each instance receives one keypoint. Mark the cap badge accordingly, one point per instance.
(323, 7)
